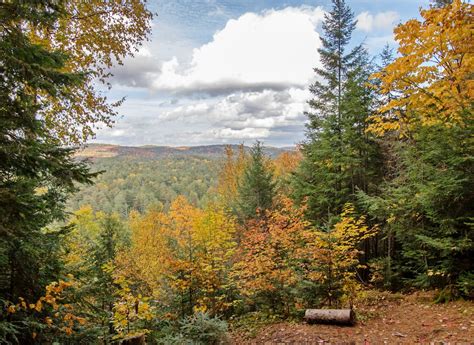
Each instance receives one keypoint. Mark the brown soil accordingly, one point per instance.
(411, 319)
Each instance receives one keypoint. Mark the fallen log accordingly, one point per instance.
(330, 316)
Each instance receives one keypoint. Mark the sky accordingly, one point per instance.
(222, 72)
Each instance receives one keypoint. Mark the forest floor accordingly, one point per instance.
(382, 319)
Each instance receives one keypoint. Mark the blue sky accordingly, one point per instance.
(221, 71)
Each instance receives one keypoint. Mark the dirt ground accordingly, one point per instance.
(407, 319)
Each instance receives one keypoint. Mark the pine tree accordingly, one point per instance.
(257, 188)
(441, 3)
(386, 57)
(382, 255)
(426, 199)
(230, 173)
(427, 211)
(339, 157)
(36, 174)
(92, 246)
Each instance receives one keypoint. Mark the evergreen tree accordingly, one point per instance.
(36, 174)
(339, 157)
(93, 243)
(425, 119)
(383, 250)
(257, 188)
(441, 3)
(386, 58)
(427, 208)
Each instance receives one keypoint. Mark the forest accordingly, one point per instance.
(140, 177)
(128, 185)
(374, 207)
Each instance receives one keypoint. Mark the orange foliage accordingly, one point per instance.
(185, 251)
(55, 313)
(281, 250)
(433, 75)
(271, 252)
(287, 162)
(232, 170)
(335, 255)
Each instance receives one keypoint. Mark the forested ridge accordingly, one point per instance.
(136, 184)
(109, 244)
(137, 178)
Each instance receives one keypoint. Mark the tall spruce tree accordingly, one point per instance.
(339, 157)
(256, 188)
(36, 174)
(441, 3)
(425, 204)
(92, 245)
(425, 209)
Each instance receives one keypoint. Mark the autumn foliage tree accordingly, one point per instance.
(285, 264)
(97, 35)
(267, 269)
(334, 258)
(203, 245)
(131, 311)
(285, 165)
(53, 315)
(183, 257)
(230, 176)
(432, 75)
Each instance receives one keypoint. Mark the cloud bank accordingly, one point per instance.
(376, 22)
(249, 81)
(273, 50)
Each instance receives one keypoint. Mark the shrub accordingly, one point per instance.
(465, 285)
(198, 329)
(203, 329)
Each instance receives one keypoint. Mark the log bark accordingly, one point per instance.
(330, 316)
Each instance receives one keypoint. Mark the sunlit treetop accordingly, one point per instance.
(96, 35)
(432, 77)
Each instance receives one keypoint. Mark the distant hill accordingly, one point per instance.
(134, 178)
(97, 151)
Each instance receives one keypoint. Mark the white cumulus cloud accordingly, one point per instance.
(368, 22)
(272, 50)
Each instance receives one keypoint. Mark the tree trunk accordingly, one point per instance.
(134, 340)
(330, 316)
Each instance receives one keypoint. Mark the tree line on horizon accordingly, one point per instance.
(379, 195)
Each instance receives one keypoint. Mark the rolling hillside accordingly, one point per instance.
(97, 151)
(135, 178)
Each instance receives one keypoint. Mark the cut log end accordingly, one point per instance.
(330, 316)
